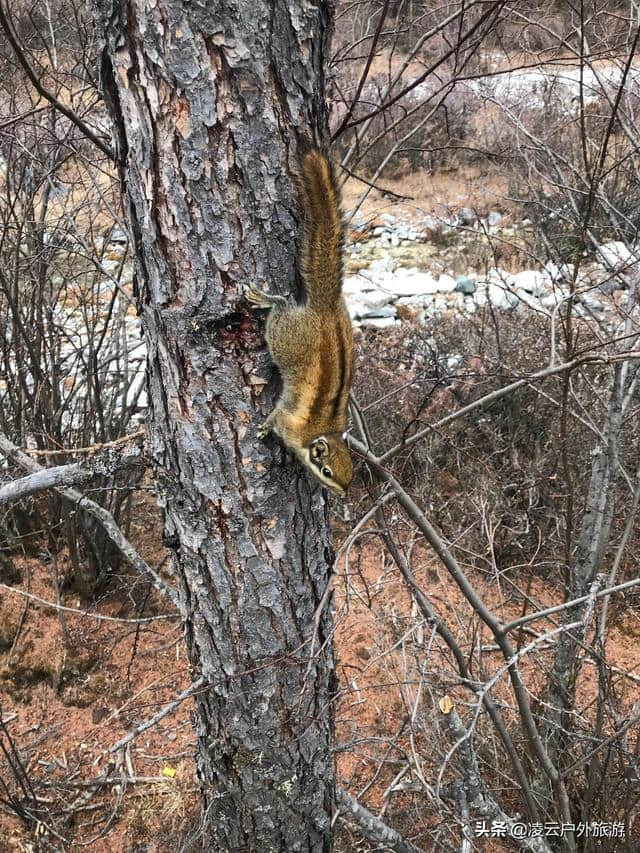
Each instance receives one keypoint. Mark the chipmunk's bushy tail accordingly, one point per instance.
(321, 257)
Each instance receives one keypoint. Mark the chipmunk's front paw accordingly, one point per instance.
(258, 297)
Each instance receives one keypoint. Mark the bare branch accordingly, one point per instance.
(102, 516)
(47, 478)
(371, 826)
(101, 617)
(168, 709)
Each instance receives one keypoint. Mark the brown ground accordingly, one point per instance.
(65, 704)
(440, 194)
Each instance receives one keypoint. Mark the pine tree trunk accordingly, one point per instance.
(206, 99)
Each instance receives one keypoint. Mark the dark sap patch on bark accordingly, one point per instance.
(230, 328)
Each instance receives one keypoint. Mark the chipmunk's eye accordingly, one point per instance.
(327, 472)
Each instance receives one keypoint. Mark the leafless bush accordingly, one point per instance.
(70, 365)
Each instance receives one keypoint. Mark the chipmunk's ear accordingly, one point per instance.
(319, 448)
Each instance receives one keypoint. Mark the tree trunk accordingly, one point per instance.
(206, 99)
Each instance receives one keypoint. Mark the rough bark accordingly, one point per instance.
(206, 100)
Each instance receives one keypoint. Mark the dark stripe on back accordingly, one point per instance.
(326, 398)
(337, 400)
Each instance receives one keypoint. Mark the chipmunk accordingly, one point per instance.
(312, 344)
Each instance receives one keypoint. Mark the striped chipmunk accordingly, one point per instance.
(312, 344)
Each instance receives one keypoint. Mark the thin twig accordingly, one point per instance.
(77, 612)
(168, 709)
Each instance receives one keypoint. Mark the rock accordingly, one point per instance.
(466, 216)
(528, 299)
(118, 236)
(394, 239)
(376, 298)
(418, 301)
(556, 297)
(446, 284)
(558, 272)
(501, 297)
(379, 322)
(406, 232)
(465, 285)
(356, 284)
(388, 219)
(616, 256)
(589, 302)
(380, 311)
(110, 265)
(440, 305)
(494, 219)
(431, 225)
(417, 284)
(382, 265)
(500, 276)
(357, 308)
(532, 281)
(498, 289)
(371, 303)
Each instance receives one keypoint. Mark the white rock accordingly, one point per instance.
(416, 284)
(616, 255)
(480, 297)
(378, 322)
(355, 284)
(376, 298)
(501, 297)
(446, 283)
(110, 265)
(501, 277)
(384, 264)
(590, 302)
(356, 308)
(532, 281)
(528, 299)
(373, 302)
(406, 232)
(558, 272)
(557, 296)
(440, 305)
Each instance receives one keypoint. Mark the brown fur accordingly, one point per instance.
(312, 344)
